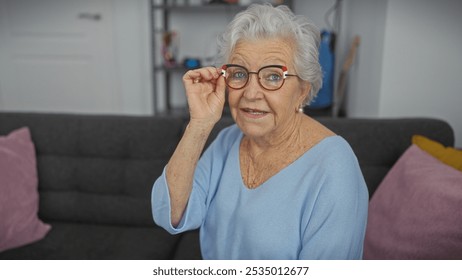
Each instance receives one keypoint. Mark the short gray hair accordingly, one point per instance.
(265, 21)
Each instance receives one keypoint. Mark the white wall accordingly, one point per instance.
(366, 19)
(133, 55)
(422, 61)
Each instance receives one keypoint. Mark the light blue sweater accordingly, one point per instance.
(315, 208)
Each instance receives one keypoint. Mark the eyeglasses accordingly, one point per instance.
(270, 77)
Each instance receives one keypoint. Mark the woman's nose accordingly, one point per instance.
(253, 88)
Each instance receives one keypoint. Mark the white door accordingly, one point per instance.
(58, 56)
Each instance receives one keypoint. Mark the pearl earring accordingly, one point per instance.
(300, 109)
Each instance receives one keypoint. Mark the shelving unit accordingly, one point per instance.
(161, 12)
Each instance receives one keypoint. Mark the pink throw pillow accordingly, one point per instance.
(19, 223)
(416, 211)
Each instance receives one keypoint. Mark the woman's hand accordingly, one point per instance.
(205, 90)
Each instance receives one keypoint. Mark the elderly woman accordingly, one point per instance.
(277, 184)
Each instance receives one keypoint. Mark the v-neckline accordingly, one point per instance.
(278, 173)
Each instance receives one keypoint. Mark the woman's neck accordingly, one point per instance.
(284, 139)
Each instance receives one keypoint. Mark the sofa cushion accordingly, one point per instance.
(19, 223)
(189, 246)
(81, 241)
(448, 155)
(415, 212)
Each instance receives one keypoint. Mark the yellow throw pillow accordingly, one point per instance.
(448, 155)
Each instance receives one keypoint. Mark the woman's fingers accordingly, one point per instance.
(205, 74)
(201, 81)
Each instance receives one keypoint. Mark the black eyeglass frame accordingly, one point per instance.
(284, 69)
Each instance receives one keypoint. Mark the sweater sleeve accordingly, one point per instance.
(336, 226)
(161, 208)
(206, 177)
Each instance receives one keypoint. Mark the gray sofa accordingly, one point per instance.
(96, 172)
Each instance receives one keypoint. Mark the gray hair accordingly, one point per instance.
(265, 21)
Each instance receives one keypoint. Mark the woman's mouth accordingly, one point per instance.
(254, 113)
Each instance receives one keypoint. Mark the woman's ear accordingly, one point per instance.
(305, 88)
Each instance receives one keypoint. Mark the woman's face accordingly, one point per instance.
(258, 112)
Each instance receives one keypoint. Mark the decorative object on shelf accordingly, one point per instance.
(170, 48)
(191, 63)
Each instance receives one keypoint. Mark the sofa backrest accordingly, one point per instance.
(97, 168)
(378, 143)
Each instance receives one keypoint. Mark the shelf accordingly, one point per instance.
(161, 13)
(171, 69)
(200, 8)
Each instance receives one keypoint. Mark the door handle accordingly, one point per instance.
(90, 16)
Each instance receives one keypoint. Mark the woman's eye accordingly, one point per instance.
(273, 77)
(239, 75)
